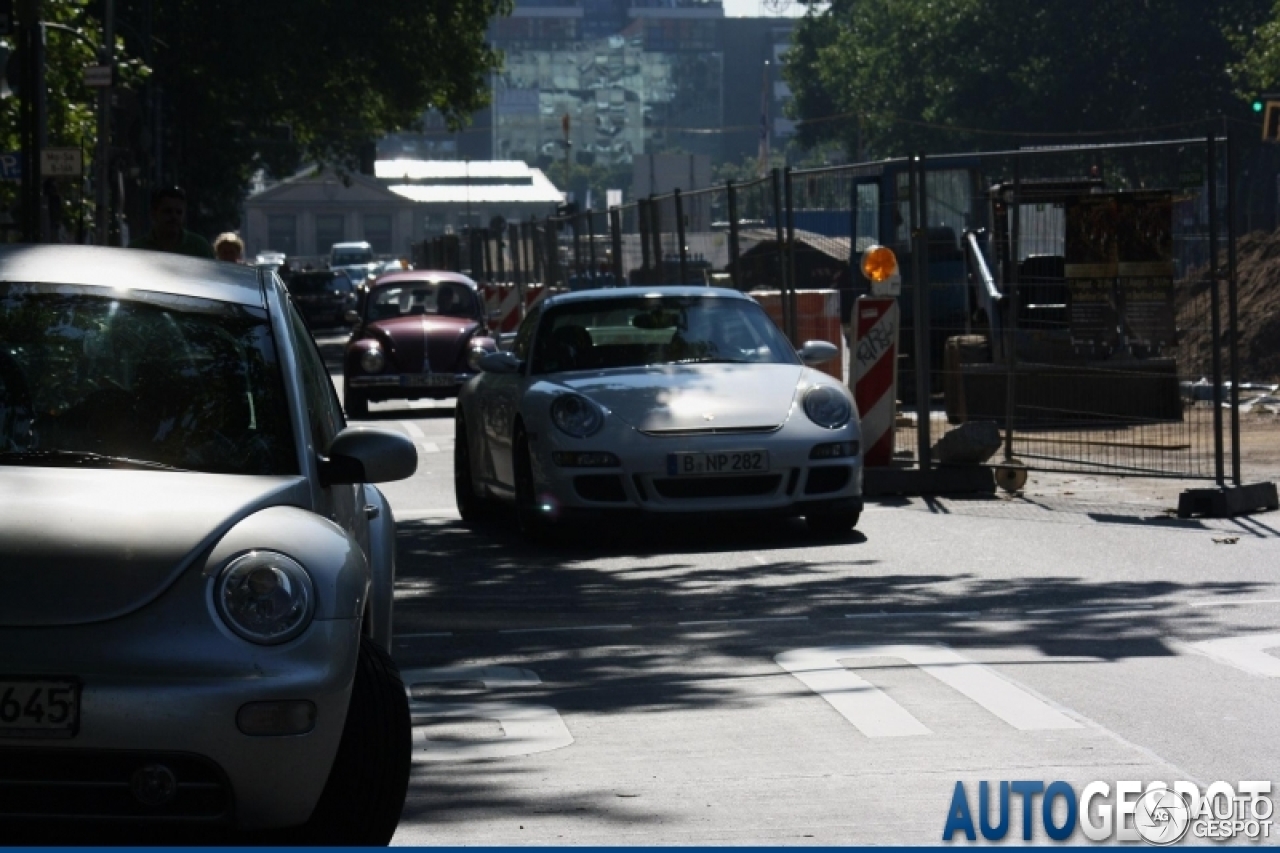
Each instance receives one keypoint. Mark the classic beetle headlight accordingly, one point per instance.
(265, 597)
(576, 415)
(372, 360)
(827, 407)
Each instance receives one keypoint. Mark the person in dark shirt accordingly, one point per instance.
(168, 227)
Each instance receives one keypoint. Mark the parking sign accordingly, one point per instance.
(61, 163)
(11, 166)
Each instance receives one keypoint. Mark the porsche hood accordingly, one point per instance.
(81, 546)
(686, 397)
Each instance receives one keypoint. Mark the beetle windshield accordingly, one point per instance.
(657, 330)
(404, 298)
(90, 375)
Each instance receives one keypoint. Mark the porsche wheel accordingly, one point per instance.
(471, 506)
(355, 402)
(533, 522)
(362, 799)
(832, 524)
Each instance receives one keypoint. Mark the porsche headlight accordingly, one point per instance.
(372, 360)
(575, 415)
(265, 597)
(827, 407)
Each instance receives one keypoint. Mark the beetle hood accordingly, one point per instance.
(425, 340)
(695, 397)
(81, 546)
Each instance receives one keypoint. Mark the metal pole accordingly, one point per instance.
(517, 271)
(1233, 316)
(735, 263)
(655, 231)
(1011, 315)
(1215, 321)
(102, 157)
(615, 236)
(591, 247)
(775, 175)
(684, 259)
(920, 284)
(792, 307)
(642, 217)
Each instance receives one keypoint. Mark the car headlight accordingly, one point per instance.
(372, 360)
(575, 415)
(265, 597)
(827, 407)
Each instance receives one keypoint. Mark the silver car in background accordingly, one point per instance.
(195, 570)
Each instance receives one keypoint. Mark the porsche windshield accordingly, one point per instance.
(91, 376)
(646, 330)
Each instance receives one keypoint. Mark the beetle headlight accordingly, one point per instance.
(265, 597)
(372, 360)
(827, 407)
(576, 415)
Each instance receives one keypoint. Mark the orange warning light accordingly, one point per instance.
(879, 263)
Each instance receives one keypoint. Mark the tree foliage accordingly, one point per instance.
(249, 84)
(890, 77)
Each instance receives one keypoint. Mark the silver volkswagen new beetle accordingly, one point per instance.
(195, 569)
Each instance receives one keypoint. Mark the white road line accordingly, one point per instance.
(917, 614)
(429, 446)
(759, 559)
(876, 715)
(421, 636)
(1091, 609)
(564, 628)
(1247, 653)
(1230, 602)
(404, 514)
(413, 429)
(526, 729)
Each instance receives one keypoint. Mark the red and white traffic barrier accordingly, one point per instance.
(875, 374)
(505, 300)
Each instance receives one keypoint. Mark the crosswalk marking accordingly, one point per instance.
(876, 715)
(413, 429)
(1247, 653)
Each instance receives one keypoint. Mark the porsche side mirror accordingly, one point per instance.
(362, 454)
(499, 362)
(817, 352)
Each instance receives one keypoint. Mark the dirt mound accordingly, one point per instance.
(1258, 271)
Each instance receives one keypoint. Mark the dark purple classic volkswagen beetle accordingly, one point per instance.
(413, 336)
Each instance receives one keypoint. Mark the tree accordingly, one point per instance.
(280, 83)
(937, 75)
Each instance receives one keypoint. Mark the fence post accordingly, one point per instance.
(1215, 309)
(920, 308)
(776, 177)
(792, 323)
(537, 253)
(1233, 315)
(642, 216)
(735, 267)
(1011, 313)
(684, 261)
(513, 240)
(655, 232)
(591, 248)
(615, 240)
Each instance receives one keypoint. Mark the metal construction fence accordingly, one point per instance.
(1079, 302)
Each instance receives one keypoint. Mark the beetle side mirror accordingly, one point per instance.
(362, 454)
(351, 316)
(499, 363)
(817, 352)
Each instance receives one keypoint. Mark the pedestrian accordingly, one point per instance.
(168, 227)
(229, 247)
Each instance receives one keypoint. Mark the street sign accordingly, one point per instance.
(97, 76)
(11, 166)
(61, 163)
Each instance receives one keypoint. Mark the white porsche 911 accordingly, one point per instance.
(666, 400)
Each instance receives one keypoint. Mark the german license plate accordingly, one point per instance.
(428, 380)
(722, 463)
(39, 707)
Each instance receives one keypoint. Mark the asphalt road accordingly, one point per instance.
(745, 684)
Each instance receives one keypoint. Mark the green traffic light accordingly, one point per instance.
(1257, 106)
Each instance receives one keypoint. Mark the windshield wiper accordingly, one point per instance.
(73, 458)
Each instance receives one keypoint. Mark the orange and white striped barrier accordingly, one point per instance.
(505, 300)
(817, 319)
(875, 374)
